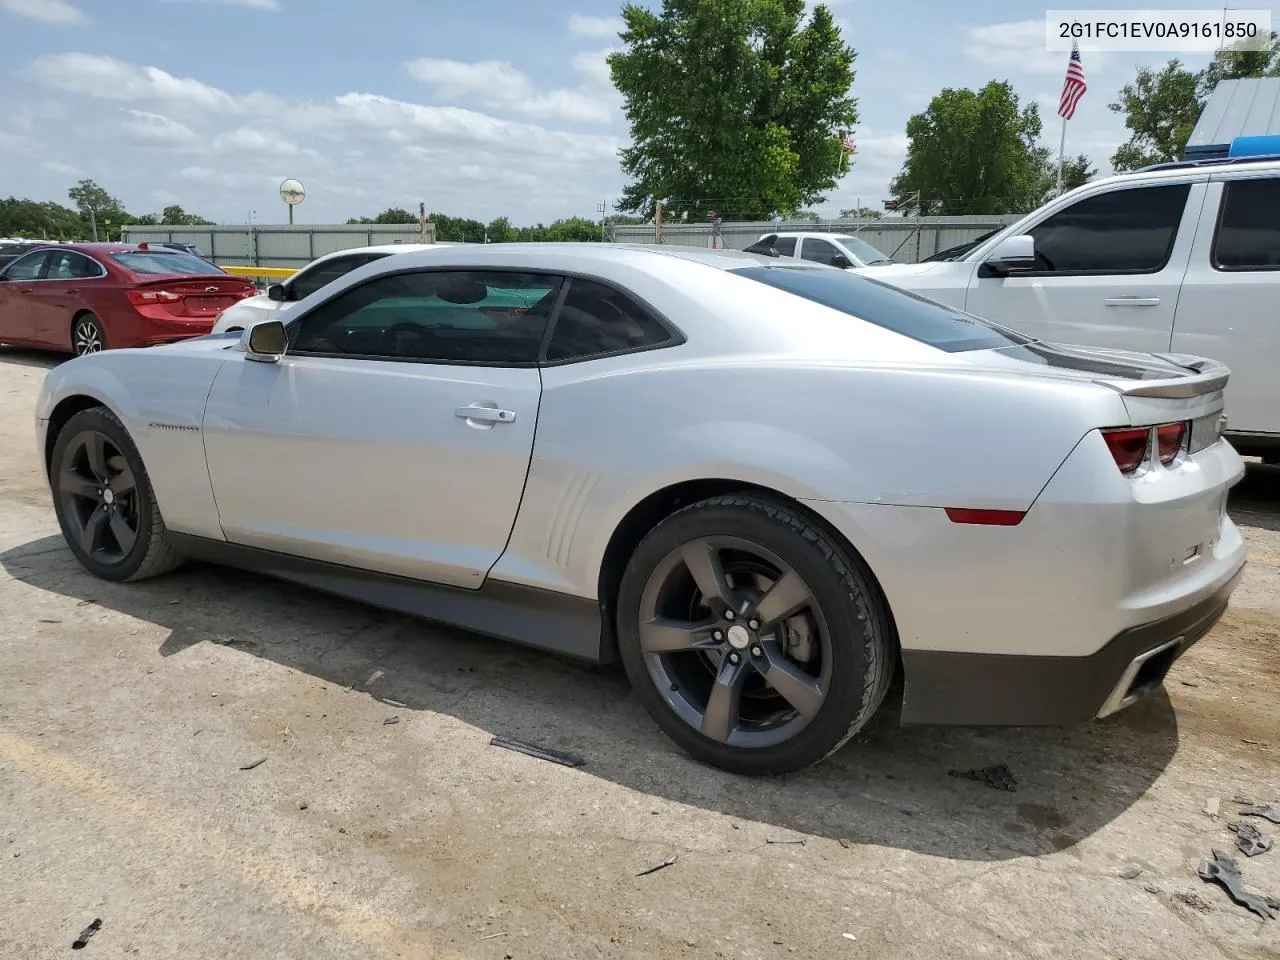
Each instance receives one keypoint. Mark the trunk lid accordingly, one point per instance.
(1156, 388)
(202, 297)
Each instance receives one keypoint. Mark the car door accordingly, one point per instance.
(818, 250)
(21, 278)
(395, 434)
(1227, 309)
(1108, 270)
(56, 298)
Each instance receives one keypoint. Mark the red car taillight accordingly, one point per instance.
(1169, 440)
(145, 298)
(1129, 445)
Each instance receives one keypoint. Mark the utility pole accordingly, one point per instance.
(93, 222)
(657, 222)
(602, 208)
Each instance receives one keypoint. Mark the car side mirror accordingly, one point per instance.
(1012, 254)
(265, 341)
(841, 261)
(277, 292)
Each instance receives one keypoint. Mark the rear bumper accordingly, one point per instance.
(975, 689)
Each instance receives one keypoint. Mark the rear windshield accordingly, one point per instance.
(876, 302)
(162, 263)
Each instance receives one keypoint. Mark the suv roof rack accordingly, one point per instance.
(1210, 162)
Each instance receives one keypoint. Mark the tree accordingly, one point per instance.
(500, 231)
(176, 216)
(1160, 110)
(1161, 107)
(972, 153)
(43, 221)
(734, 106)
(389, 215)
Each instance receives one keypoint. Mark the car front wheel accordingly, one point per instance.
(104, 501)
(756, 640)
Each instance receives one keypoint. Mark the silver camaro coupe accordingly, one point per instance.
(767, 486)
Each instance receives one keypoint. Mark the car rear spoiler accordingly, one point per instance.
(1209, 376)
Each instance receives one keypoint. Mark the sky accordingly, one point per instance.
(480, 109)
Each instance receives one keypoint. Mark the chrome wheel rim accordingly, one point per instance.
(99, 498)
(88, 338)
(735, 642)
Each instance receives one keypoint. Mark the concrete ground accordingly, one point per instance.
(128, 712)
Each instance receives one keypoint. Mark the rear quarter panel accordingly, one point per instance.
(611, 432)
(159, 394)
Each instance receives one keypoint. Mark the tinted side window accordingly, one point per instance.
(313, 278)
(69, 265)
(819, 251)
(1248, 236)
(28, 267)
(597, 319)
(1124, 231)
(786, 246)
(446, 317)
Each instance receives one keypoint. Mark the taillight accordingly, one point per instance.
(1169, 439)
(146, 298)
(1128, 447)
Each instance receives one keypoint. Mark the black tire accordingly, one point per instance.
(87, 335)
(860, 640)
(72, 478)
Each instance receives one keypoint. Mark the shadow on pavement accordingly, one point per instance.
(22, 357)
(890, 786)
(1255, 501)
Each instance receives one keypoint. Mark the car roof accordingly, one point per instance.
(810, 233)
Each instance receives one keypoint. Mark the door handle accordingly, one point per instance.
(485, 414)
(1132, 301)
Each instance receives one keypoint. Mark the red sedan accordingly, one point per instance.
(84, 297)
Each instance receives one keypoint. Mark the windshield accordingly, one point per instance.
(958, 251)
(864, 251)
(160, 263)
(885, 306)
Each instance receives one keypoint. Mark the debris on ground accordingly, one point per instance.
(1194, 901)
(800, 842)
(1212, 807)
(394, 703)
(661, 866)
(1151, 888)
(1242, 800)
(234, 642)
(1189, 683)
(848, 936)
(1223, 870)
(490, 936)
(49, 620)
(1133, 873)
(1254, 743)
(255, 763)
(82, 941)
(846, 843)
(1249, 839)
(390, 720)
(302, 804)
(999, 777)
(1268, 811)
(533, 750)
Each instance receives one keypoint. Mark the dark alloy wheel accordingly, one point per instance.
(104, 502)
(87, 335)
(756, 641)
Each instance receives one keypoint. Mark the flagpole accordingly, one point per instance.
(1062, 146)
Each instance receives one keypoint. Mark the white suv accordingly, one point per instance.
(834, 249)
(1179, 258)
(316, 274)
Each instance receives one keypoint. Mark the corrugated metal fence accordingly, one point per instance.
(279, 245)
(905, 239)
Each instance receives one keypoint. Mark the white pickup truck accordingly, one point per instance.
(1181, 258)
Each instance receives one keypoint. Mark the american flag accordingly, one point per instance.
(847, 145)
(1074, 86)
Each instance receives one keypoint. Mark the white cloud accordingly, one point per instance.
(62, 169)
(594, 67)
(156, 128)
(358, 153)
(59, 12)
(580, 26)
(1019, 46)
(498, 85)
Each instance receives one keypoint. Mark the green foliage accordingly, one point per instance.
(1161, 107)
(89, 197)
(734, 105)
(32, 219)
(176, 216)
(973, 153)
